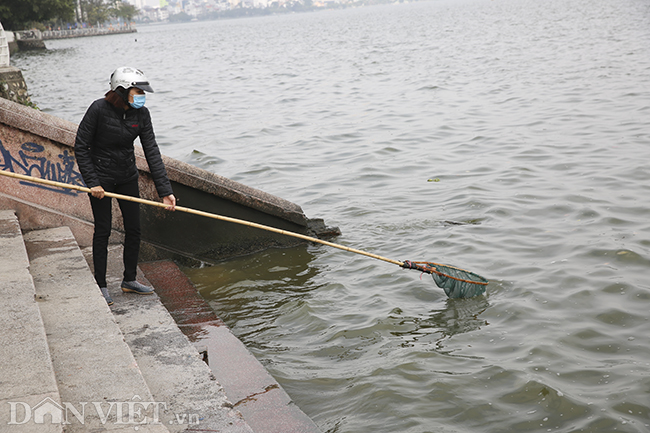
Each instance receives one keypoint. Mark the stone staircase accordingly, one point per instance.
(69, 364)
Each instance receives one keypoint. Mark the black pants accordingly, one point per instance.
(102, 212)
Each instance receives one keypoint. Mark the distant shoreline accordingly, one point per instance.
(27, 40)
(84, 32)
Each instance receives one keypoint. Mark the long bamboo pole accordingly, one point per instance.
(201, 213)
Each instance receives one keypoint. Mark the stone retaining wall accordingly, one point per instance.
(13, 86)
(95, 31)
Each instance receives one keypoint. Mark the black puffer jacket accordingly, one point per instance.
(104, 146)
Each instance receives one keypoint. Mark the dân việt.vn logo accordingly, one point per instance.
(134, 412)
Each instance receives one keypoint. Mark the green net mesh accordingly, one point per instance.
(456, 282)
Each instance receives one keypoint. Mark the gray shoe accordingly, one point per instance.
(135, 287)
(108, 298)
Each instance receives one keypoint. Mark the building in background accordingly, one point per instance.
(140, 4)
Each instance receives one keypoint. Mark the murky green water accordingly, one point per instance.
(530, 118)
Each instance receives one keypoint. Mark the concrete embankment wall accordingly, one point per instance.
(41, 145)
(26, 40)
(85, 32)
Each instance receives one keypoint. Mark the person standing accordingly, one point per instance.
(106, 159)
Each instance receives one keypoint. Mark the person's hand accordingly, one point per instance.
(97, 192)
(170, 201)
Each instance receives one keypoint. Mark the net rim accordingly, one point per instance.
(430, 268)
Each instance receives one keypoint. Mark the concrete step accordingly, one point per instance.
(170, 363)
(92, 369)
(234, 384)
(101, 386)
(27, 379)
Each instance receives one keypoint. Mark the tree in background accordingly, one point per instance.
(19, 14)
(94, 11)
(124, 10)
(100, 11)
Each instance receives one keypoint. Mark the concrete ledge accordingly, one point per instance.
(223, 187)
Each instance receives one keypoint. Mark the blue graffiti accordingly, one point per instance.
(29, 162)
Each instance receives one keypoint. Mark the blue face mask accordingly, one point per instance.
(138, 101)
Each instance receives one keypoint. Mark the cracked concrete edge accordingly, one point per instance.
(170, 364)
(174, 370)
(262, 401)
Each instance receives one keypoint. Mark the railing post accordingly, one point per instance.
(4, 48)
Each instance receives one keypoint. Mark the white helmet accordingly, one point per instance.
(127, 77)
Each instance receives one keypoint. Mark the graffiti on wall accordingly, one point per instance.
(31, 161)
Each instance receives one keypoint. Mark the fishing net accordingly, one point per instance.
(456, 282)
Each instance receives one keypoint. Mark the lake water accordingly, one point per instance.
(507, 137)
